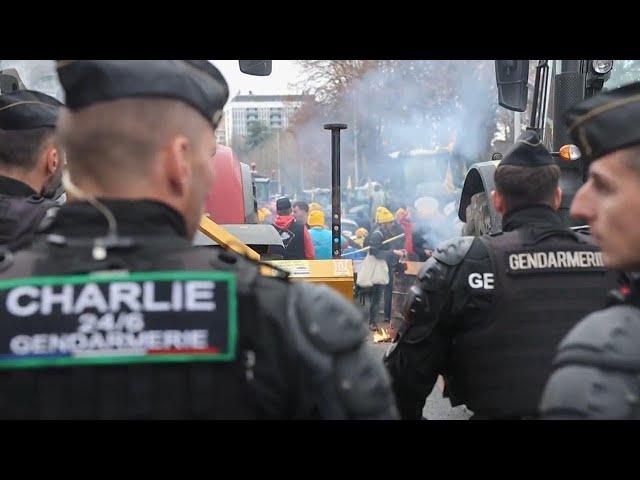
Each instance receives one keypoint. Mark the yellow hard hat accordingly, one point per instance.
(383, 215)
(361, 232)
(316, 218)
(263, 213)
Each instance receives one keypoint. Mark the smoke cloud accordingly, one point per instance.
(400, 107)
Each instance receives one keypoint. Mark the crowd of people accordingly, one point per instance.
(423, 225)
(411, 233)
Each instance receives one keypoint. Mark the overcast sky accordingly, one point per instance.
(284, 73)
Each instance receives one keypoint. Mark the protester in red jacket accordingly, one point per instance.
(295, 236)
(402, 217)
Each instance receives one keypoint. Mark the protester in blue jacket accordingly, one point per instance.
(320, 236)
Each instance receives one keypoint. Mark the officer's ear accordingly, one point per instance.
(176, 165)
(498, 202)
(52, 159)
(557, 198)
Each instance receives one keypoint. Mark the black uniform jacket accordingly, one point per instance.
(487, 314)
(597, 367)
(21, 213)
(301, 350)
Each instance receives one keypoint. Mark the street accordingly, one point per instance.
(436, 407)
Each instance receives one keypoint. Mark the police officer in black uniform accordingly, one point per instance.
(487, 312)
(597, 366)
(130, 340)
(30, 165)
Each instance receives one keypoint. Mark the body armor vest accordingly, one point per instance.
(213, 390)
(293, 241)
(541, 289)
(20, 218)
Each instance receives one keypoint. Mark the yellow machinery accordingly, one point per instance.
(337, 274)
(413, 268)
(219, 235)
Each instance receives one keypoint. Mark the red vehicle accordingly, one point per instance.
(231, 199)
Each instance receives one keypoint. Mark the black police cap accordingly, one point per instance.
(27, 109)
(283, 204)
(528, 151)
(606, 122)
(195, 82)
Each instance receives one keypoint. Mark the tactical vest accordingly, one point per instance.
(20, 218)
(293, 241)
(209, 390)
(541, 289)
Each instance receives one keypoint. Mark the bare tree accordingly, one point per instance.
(328, 79)
(401, 105)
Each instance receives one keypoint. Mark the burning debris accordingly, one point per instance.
(383, 335)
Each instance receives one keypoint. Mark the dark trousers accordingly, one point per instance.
(376, 296)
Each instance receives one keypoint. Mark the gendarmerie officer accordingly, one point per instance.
(487, 312)
(158, 328)
(597, 366)
(30, 165)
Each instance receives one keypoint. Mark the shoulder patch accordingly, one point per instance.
(451, 252)
(118, 318)
(576, 259)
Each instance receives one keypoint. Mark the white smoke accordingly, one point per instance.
(403, 106)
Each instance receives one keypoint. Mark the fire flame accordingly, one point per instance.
(382, 335)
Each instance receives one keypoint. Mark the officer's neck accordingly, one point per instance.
(528, 215)
(30, 179)
(133, 217)
(131, 191)
(124, 187)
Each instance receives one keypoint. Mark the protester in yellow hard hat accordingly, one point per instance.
(383, 215)
(390, 252)
(314, 206)
(263, 215)
(361, 234)
(320, 236)
(349, 246)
